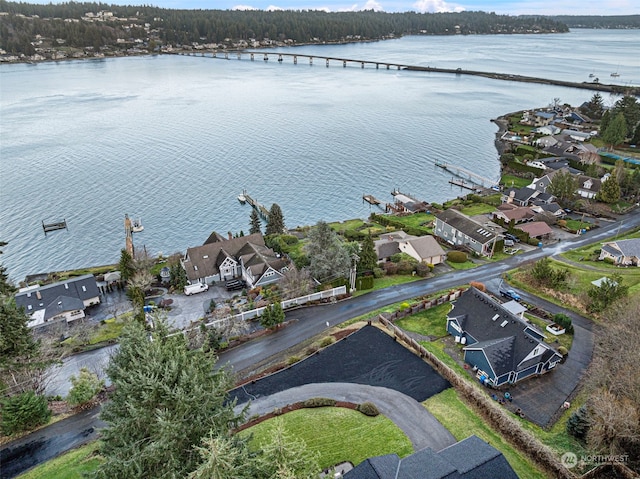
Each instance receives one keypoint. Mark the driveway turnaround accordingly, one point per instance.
(422, 429)
(368, 356)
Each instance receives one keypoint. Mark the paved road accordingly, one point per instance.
(408, 414)
(313, 321)
(48, 442)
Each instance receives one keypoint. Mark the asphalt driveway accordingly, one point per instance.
(368, 356)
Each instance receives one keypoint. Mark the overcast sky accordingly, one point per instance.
(508, 7)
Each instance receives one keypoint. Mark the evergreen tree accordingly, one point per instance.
(616, 131)
(368, 256)
(578, 423)
(227, 458)
(6, 287)
(84, 387)
(630, 108)
(272, 316)
(275, 221)
(594, 107)
(16, 340)
(166, 399)
(287, 456)
(609, 191)
(328, 258)
(563, 185)
(256, 225)
(126, 266)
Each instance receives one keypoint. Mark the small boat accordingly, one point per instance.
(591, 75)
(242, 199)
(615, 74)
(136, 226)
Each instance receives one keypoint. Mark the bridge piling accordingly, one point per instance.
(239, 56)
(295, 60)
(266, 57)
(310, 60)
(344, 63)
(327, 63)
(280, 58)
(252, 57)
(226, 55)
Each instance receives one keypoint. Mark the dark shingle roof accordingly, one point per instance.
(466, 225)
(471, 458)
(82, 287)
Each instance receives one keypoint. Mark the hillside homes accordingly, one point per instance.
(622, 252)
(61, 301)
(502, 346)
(245, 257)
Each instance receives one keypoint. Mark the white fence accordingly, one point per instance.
(289, 303)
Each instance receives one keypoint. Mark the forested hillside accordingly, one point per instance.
(613, 21)
(30, 29)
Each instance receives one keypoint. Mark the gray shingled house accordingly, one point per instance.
(471, 458)
(503, 347)
(64, 300)
(622, 252)
(458, 229)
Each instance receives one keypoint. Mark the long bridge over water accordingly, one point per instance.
(294, 57)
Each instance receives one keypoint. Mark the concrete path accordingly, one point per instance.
(422, 429)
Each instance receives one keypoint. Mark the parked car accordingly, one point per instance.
(235, 284)
(510, 294)
(512, 237)
(195, 288)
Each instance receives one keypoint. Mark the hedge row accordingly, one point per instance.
(522, 168)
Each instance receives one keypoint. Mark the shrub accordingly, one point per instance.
(406, 267)
(479, 286)
(378, 272)
(609, 260)
(368, 409)
(423, 270)
(319, 402)
(328, 341)
(293, 360)
(390, 268)
(404, 306)
(457, 256)
(364, 282)
(563, 351)
(578, 423)
(84, 388)
(24, 412)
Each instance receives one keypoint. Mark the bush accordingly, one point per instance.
(390, 268)
(457, 256)
(404, 306)
(479, 286)
(368, 409)
(578, 423)
(24, 412)
(319, 402)
(378, 272)
(328, 341)
(364, 282)
(84, 388)
(563, 351)
(293, 360)
(423, 270)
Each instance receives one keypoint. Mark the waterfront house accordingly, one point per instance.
(543, 118)
(525, 196)
(518, 214)
(422, 248)
(471, 458)
(500, 345)
(459, 230)
(245, 257)
(622, 252)
(588, 187)
(61, 301)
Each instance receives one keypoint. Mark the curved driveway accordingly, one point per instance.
(422, 429)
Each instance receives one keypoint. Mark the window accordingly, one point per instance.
(66, 286)
(84, 289)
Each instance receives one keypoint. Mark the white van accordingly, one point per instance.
(195, 288)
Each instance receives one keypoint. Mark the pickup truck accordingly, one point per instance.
(511, 294)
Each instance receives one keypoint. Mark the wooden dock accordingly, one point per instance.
(261, 209)
(372, 200)
(464, 184)
(48, 227)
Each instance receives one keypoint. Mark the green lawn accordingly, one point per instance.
(431, 322)
(338, 434)
(514, 181)
(478, 209)
(462, 422)
(416, 220)
(386, 281)
(565, 339)
(72, 465)
(465, 265)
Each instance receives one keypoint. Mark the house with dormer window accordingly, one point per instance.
(245, 257)
(459, 230)
(62, 301)
(503, 347)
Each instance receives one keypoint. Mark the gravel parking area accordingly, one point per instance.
(369, 356)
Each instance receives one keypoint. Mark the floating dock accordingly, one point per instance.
(372, 200)
(48, 227)
(464, 184)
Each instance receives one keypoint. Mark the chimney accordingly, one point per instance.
(230, 235)
(512, 195)
(38, 295)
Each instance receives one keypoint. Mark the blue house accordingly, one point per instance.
(504, 348)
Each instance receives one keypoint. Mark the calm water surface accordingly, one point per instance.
(174, 139)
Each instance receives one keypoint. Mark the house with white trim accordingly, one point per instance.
(245, 257)
(499, 344)
(622, 252)
(422, 248)
(62, 301)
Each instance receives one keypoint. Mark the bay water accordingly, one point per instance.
(174, 140)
